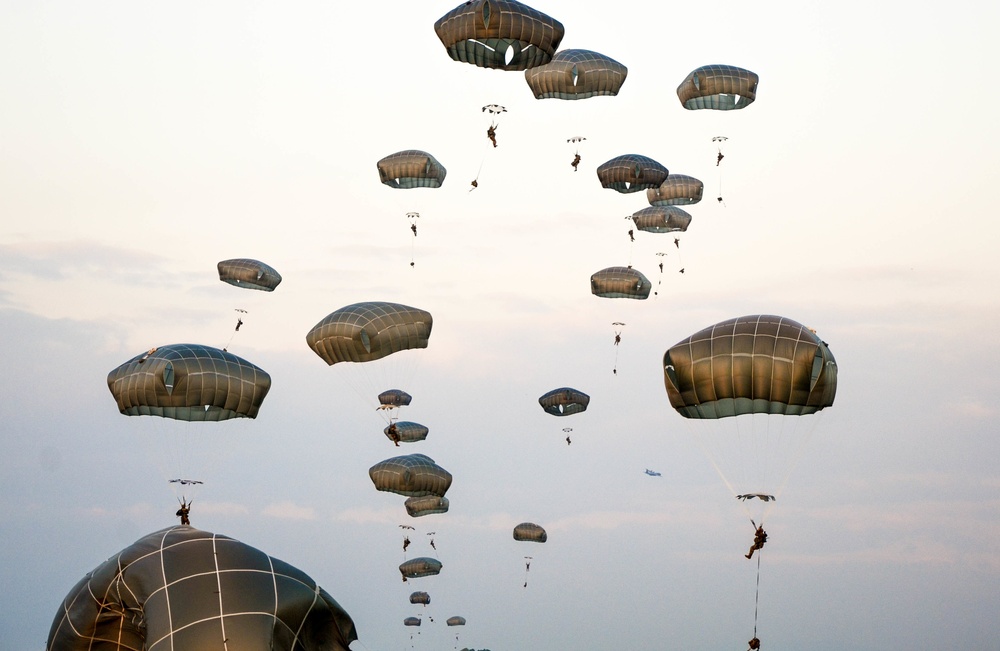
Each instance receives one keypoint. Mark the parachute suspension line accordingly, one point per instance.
(240, 313)
(756, 597)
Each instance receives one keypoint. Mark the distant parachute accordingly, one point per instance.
(411, 168)
(677, 190)
(394, 398)
(530, 532)
(179, 588)
(413, 475)
(661, 219)
(420, 598)
(620, 282)
(718, 87)
(499, 34)
(418, 567)
(576, 74)
(411, 621)
(426, 505)
(407, 432)
(368, 331)
(631, 173)
(564, 401)
(456, 621)
(249, 274)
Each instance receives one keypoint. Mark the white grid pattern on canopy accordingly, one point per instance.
(249, 274)
(661, 219)
(413, 475)
(718, 87)
(677, 190)
(564, 401)
(368, 331)
(411, 168)
(631, 173)
(576, 74)
(620, 282)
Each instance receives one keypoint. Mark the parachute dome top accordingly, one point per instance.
(426, 505)
(750, 365)
(189, 382)
(421, 566)
(661, 219)
(677, 190)
(413, 475)
(457, 620)
(420, 598)
(364, 332)
(576, 74)
(564, 401)
(718, 87)
(620, 282)
(408, 432)
(180, 588)
(499, 34)
(530, 532)
(249, 274)
(631, 173)
(410, 169)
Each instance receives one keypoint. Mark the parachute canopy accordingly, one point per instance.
(576, 74)
(418, 567)
(265, 603)
(530, 532)
(411, 621)
(394, 398)
(499, 34)
(249, 274)
(364, 332)
(420, 598)
(677, 190)
(407, 432)
(426, 505)
(189, 382)
(564, 401)
(661, 219)
(750, 365)
(631, 173)
(414, 475)
(620, 282)
(718, 87)
(456, 621)
(410, 169)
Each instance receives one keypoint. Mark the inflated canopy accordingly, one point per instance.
(500, 34)
(183, 588)
(420, 598)
(620, 282)
(750, 365)
(661, 219)
(564, 401)
(394, 398)
(411, 621)
(418, 567)
(413, 475)
(364, 332)
(576, 74)
(249, 274)
(407, 432)
(411, 168)
(677, 190)
(189, 382)
(426, 505)
(456, 621)
(530, 532)
(718, 87)
(631, 173)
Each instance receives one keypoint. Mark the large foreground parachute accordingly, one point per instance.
(564, 401)
(413, 475)
(718, 87)
(183, 588)
(576, 74)
(410, 169)
(620, 282)
(249, 274)
(364, 332)
(631, 173)
(500, 34)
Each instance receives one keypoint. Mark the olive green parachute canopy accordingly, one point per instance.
(420, 598)
(564, 401)
(718, 87)
(661, 219)
(486, 32)
(757, 364)
(631, 173)
(364, 332)
(249, 274)
(414, 475)
(530, 532)
(456, 621)
(411, 621)
(418, 567)
(394, 398)
(189, 382)
(407, 432)
(183, 588)
(576, 74)
(620, 282)
(677, 190)
(426, 505)
(410, 169)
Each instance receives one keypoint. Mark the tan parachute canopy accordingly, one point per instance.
(407, 432)
(677, 190)
(394, 398)
(501, 34)
(411, 621)
(757, 364)
(620, 282)
(457, 620)
(576, 74)
(249, 274)
(418, 567)
(215, 584)
(363, 332)
(564, 401)
(661, 219)
(718, 87)
(189, 382)
(631, 173)
(420, 598)
(426, 505)
(530, 532)
(411, 168)
(414, 475)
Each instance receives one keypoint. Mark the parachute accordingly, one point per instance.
(410, 169)
(677, 190)
(411, 621)
(124, 604)
(576, 74)
(249, 274)
(420, 598)
(394, 398)
(620, 282)
(718, 87)
(407, 432)
(426, 505)
(661, 219)
(494, 109)
(456, 621)
(631, 173)
(530, 532)
(413, 475)
(499, 34)
(364, 332)
(418, 567)
(564, 401)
